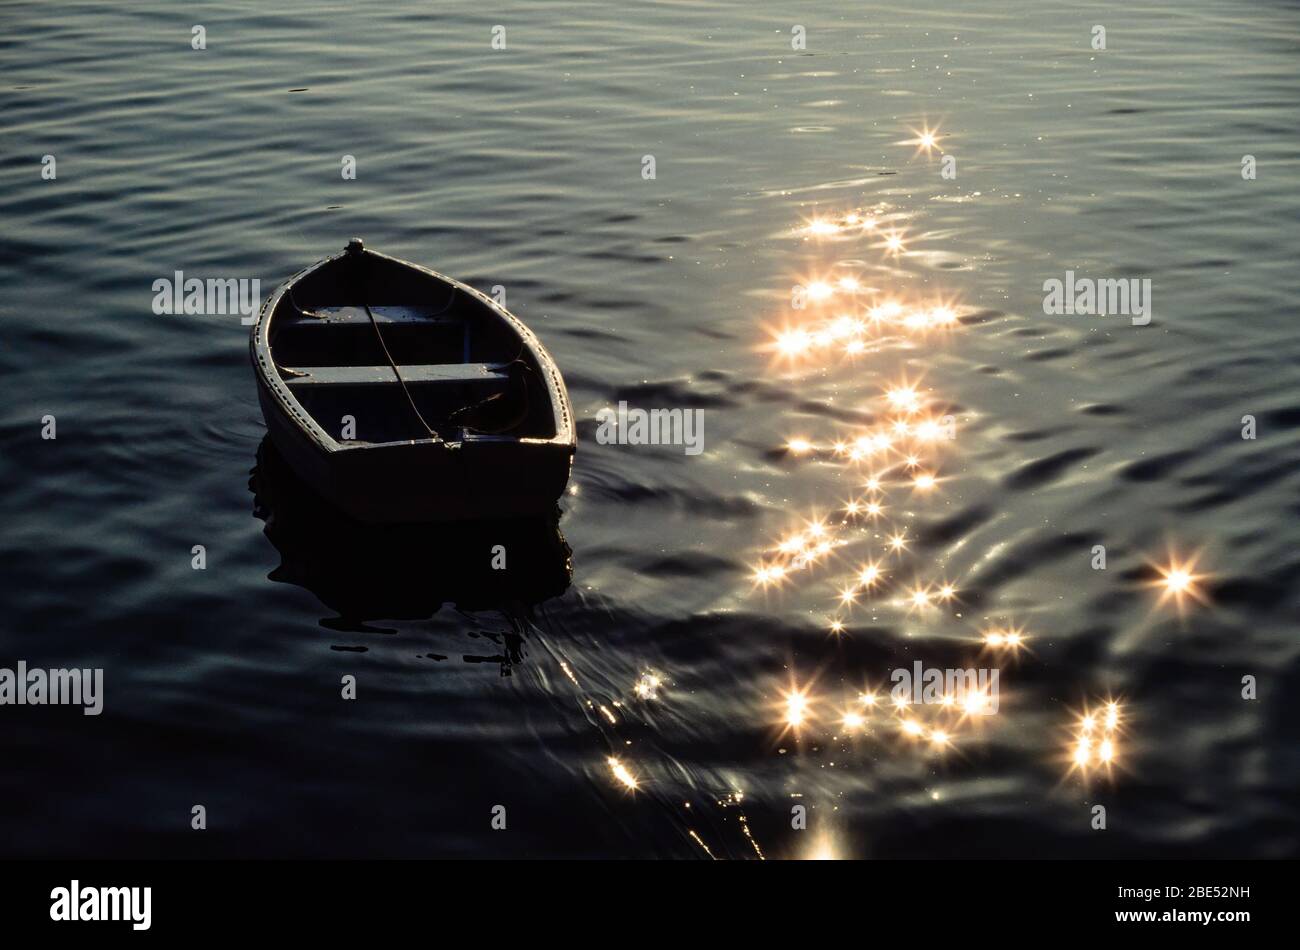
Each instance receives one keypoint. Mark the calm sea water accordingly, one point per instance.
(523, 167)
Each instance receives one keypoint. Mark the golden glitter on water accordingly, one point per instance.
(622, 773)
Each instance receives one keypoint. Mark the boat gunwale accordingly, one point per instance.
(260, 347)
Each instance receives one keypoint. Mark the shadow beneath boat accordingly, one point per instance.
(367, 572)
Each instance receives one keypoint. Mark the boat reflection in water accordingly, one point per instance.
(407, 572)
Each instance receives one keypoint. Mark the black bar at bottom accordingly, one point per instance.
(236, 898)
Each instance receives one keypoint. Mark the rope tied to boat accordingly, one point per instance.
(454, 415)
(398, 373)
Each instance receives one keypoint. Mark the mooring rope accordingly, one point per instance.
(398, 373)
(433, 434)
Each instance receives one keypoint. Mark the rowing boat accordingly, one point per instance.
(402, 395)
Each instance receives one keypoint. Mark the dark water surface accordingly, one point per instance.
(522, 168)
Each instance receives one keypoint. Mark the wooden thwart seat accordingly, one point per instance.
(352, 316)
(430, 374)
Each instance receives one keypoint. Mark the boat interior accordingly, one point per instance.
(465, 371)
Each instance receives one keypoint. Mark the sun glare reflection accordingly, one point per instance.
(897, 447)
(622, 774)
(926, 139)
(1178, 582)
(1095, 741)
